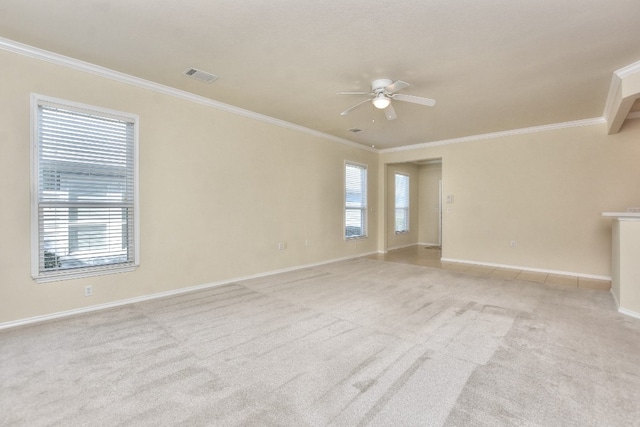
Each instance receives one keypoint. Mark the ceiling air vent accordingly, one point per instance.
(355, 130)
(203, 76)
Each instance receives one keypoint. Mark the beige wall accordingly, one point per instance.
(402, 239)
(218, 192)
(429, 177)
(545, 190)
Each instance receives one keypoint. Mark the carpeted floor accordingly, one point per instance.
(360, 342)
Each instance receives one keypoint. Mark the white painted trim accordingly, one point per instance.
(536, 270)
(402, 247)
(629, 313)
(407, 246)
(616, 81)
(429, 244)
(501, 134)
(628, 70)
(615, 299)
(623, 310)
(78, 65)
(75, 64)
(611, 97)
(33, 186)
(364, 166)
(38, 100)
(174, 292)
(622, 216)
(65, 61)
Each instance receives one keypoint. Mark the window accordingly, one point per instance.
(402, 203)
(84, 201)
(355, 203)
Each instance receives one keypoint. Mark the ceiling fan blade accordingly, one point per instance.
(396, 86)
(414, 99)
(390, 112)
(347, 111)
(355, 93)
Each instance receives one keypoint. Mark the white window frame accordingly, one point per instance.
(405, 209)
(363, 208)
(74, 273)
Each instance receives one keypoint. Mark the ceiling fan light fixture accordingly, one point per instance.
(382, 92)
(381, 101)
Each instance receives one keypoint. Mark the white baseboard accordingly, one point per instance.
(408, 246)
(623, 310)
(629, 312)
(173, 292)
(615, 298)
(402, 247)
(537, 270)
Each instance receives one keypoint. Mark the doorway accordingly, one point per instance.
(426, 212)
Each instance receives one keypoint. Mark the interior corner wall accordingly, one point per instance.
(409, 238)
(218, 192)
(545, 191)
(429, 177)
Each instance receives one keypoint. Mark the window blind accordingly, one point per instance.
(85, 189)
(355, 200)
(402, 203)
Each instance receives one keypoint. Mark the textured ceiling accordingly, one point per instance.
(491, 65)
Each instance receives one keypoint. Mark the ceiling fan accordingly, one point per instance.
(382, 92)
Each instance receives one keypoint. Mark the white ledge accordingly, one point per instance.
(623, 216)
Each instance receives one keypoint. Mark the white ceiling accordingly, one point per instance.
(491, 65)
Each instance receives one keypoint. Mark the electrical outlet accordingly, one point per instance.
(513, 244)
(282, 246)
(88, 291)
(307, 243)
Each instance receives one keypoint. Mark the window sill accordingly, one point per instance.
(82, 273)
(355, 237)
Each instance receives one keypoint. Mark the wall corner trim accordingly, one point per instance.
(623, 310)
(615, 298)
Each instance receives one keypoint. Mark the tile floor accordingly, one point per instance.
(430, 257)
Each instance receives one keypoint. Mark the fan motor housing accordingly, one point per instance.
(380, 84)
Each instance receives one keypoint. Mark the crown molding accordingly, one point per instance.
(614, 87)
(78, 65)
(628, 70)
(501, 134)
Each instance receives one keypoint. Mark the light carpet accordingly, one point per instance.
(359, 342)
